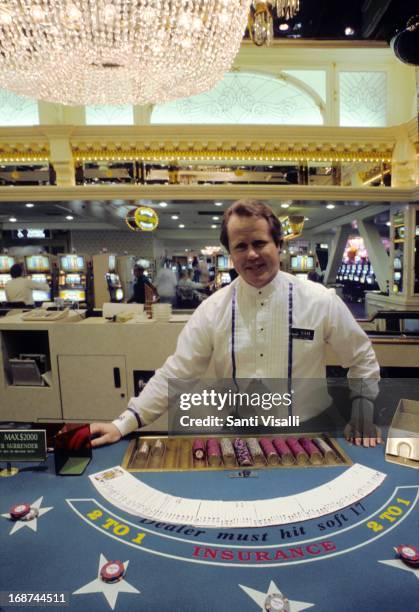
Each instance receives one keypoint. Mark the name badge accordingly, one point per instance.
(302, 334)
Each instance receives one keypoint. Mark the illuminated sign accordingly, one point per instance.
(143, 219)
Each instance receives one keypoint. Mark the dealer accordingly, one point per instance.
(266, 324)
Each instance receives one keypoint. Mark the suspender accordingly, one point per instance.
(289, 376)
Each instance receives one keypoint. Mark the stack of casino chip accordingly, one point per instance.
(328, 452)
(284, 451)
(270, 453)
(23, 512)
(256, 451)
(19, 511)
(112, 571)
(242, 452)
(227, 451)
(143, 451)
(276, 602)
(213, 452)
(157, 449)
(409, 554)
(297, 450)
(198, 449)
(312, 451)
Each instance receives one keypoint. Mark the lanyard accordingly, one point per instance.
(233, 339)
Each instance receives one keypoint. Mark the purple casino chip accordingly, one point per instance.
(242, 452)
(213, 452)
(283, 451)
(198, 449)
(269, 451)
(297, 450)
(311, 449)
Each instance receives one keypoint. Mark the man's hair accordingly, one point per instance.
(251, 208)
(16, 270)
(139, 268)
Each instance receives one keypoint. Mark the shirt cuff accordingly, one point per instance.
(127, 422)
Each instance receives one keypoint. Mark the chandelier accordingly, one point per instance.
(117, 51)
(261, 25)
(286, 9)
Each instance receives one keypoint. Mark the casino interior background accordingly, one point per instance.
(317, 116)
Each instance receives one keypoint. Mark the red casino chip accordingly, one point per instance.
(112, 571)
(408, 553)
(19, 511)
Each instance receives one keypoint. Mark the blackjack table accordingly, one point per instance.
(341, 561)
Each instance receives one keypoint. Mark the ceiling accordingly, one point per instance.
(375, 20)
(196, 216)
(370, 19)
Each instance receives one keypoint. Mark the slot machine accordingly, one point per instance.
(116, 293)
(107, 285)
(223, 265)
(6, 262)
(39, 269)
(72, 277)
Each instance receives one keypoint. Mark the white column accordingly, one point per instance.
(376, 252)
(336, 253)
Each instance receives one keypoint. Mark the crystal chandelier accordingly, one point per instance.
(117, 51)
(261, 24)
(286, 9)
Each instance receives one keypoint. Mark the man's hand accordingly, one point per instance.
(106, 433)
(361, 428)
(367, 435)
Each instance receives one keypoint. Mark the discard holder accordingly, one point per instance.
(73, 450)
(403, 436)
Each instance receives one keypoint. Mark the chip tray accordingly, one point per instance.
(175, 454)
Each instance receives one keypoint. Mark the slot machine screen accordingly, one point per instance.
(73, 295)
(112, 263)
(310, 261)
(37, 263)
(365, 268)
(72, 263)
(6, 263)
(41, 296)
(222, 262)
(225, 278)
(397, 276)
(73, 279)
(295, 262)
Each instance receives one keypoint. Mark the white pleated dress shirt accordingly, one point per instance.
(261, 341)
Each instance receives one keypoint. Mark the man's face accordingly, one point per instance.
(253, 251)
